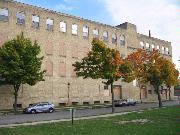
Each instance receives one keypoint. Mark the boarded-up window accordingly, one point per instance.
(62, 49)
(62, 69)
(73, 73)
(74, 51)
(49, 48)
(49, 68)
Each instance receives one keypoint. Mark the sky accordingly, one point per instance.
(162, 17)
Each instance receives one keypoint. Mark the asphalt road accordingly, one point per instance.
(65, 114)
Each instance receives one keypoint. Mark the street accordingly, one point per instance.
(65, 114)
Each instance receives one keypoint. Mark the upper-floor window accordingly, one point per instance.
(123, 55)
(157, 47)
(35, 21)
(147, 46)
(85, 31)
(152, 47)
(49, 24)
(142, 45)
(95, 33)
(163, 49)
(74, 29)
(62, 26)
(20, 18)
(3, 14)
(167, 50)
(105, 36)
(122, 40)
(114, 38)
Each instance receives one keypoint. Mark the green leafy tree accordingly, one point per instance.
(20, 64)
(102, 62)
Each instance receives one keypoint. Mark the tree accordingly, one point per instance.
(20, 64)
(155, 72)
(170, 75)
(137, 60)
(101, 62)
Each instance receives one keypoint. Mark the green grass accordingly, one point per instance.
(163, 121)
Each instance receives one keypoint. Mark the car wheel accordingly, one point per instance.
(33, 111)
(51, 110)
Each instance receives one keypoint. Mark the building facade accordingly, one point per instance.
(65, 39)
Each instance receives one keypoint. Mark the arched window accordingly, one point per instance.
(105, 36)
(35, 21)
(142, 45)
(20, 18)
(74, 29)
(152, 47)
(85, 31)
(4, 14)
(49, 24)
(114, 38)
(62, 26)
(122, 40)
(95, 33)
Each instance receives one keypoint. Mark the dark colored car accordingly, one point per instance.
(124, 102)
(40, 107)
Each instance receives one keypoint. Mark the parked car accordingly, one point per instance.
(40, 107)
(124, 102)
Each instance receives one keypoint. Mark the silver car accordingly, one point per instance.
(40, 107)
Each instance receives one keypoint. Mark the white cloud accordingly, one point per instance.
(63, 7)
(160, 16)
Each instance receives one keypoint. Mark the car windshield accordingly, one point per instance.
(33, 105)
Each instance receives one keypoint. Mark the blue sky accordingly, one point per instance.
(160, 16)
(88, 9)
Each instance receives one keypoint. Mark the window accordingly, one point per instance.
(3, 14)
(147, 45)
(20, 18)
(167, 50)
(62, 26)
(122, 40)
(152, 47)
(74, 29)
(49, 24)
(105, 87)
(49, 68)
(163, 49)
(105, 36)
(142, 45)
(35, 21)
(95, 33)
(123, 56)
(85, 31)
(114, 38)
(157, 47)
(62, 69)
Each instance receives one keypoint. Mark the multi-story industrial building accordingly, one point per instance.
(65, 39)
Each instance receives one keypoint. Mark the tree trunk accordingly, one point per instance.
(169, 93)
(16, 89)
(159, 97)
(112, 92)
(166, 94)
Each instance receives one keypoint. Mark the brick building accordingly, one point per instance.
(65, 39)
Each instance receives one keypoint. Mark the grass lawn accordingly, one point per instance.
(162, 121)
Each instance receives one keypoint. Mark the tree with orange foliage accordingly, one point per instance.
(137, 60)
(102, 62)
